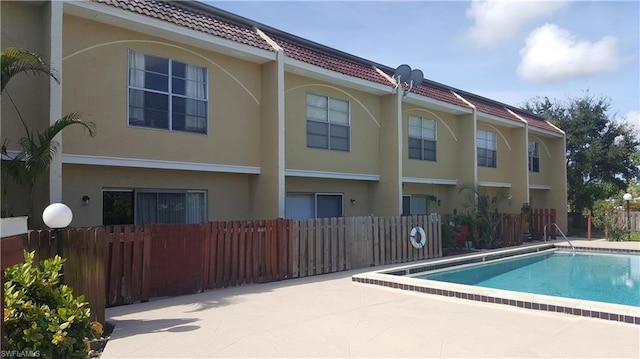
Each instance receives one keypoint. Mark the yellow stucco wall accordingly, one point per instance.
(23, 27)
(227, 199)
(95, 72)
(447, 146)
(502, 173)
(364, 129)
(357, 190)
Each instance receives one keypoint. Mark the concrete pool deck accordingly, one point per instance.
(331, 316)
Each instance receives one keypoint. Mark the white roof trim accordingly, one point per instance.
(337, 78)
(163, 29)
(425, 100)
(500, 120)
(450, 182)
(332, 175)
(545, 132)
(156, 164)
(494, 184)
(539, 186)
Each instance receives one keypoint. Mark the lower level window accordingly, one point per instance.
(313, 205)
(153, 206)
(415, 205)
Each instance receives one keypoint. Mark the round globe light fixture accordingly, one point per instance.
(627, 197)
(57, 215)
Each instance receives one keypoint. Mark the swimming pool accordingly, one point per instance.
(407, 277)
(610, 278)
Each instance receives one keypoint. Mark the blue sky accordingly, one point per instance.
(509, 51)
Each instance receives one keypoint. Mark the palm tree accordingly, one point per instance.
(37, 148)
(18, 61)
(485, 209)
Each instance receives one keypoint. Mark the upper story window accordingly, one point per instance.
(422, 139)
(327, 123)
(487, 148)
(534, 156)
(167, 94)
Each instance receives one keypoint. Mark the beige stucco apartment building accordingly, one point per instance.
(204, 115)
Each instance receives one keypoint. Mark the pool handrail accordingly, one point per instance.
(573, 249)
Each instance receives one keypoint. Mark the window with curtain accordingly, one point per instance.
(328, 124)
(167, 94)
(534, 156)
(170, 207)
(487, 148)
(153, 206)
(422, 139)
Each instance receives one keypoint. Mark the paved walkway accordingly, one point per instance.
(329, 316)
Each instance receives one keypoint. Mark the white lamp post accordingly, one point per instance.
(57, 216)
(627, 197)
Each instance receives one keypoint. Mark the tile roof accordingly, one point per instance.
(216, 22)
(492, 109)
(175, 13)
(535, 121)
(308, 54)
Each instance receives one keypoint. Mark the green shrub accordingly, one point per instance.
(41, 315)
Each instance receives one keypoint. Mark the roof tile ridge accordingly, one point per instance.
(516, 115)
(269, 40)
(464, 100)
(387, 77)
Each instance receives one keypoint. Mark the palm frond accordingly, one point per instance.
(67, 120)
(14, 61)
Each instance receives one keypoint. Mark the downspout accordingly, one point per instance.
(474, 112)
(281, 134)
(526, 149)
(55, 17)
(399, 96)
(280, 57)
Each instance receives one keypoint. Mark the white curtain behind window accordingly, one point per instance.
(136, 79)
(195, 88)
(146, 207)
(195, 207)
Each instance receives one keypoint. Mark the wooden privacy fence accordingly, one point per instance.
(84, 269)
(327, 245)
(511, 229)
(118, 265)
(631, 222)
(541, 218)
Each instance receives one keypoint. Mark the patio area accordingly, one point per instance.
(331, 316)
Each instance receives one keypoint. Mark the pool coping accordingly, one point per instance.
(391, 277)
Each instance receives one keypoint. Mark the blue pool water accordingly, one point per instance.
(610, 278)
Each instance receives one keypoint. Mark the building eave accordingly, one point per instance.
(132, 21)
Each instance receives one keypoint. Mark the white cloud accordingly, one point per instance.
(553, 54)
(495, 21)
(633, 117)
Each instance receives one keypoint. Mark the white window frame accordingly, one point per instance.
(424, 136)
(169, 93)
(533, 154)
(489, 138)
(328, 122)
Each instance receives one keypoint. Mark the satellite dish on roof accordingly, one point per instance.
(402, 74)
(415, 79)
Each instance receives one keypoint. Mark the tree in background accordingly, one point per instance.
(602, 154)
